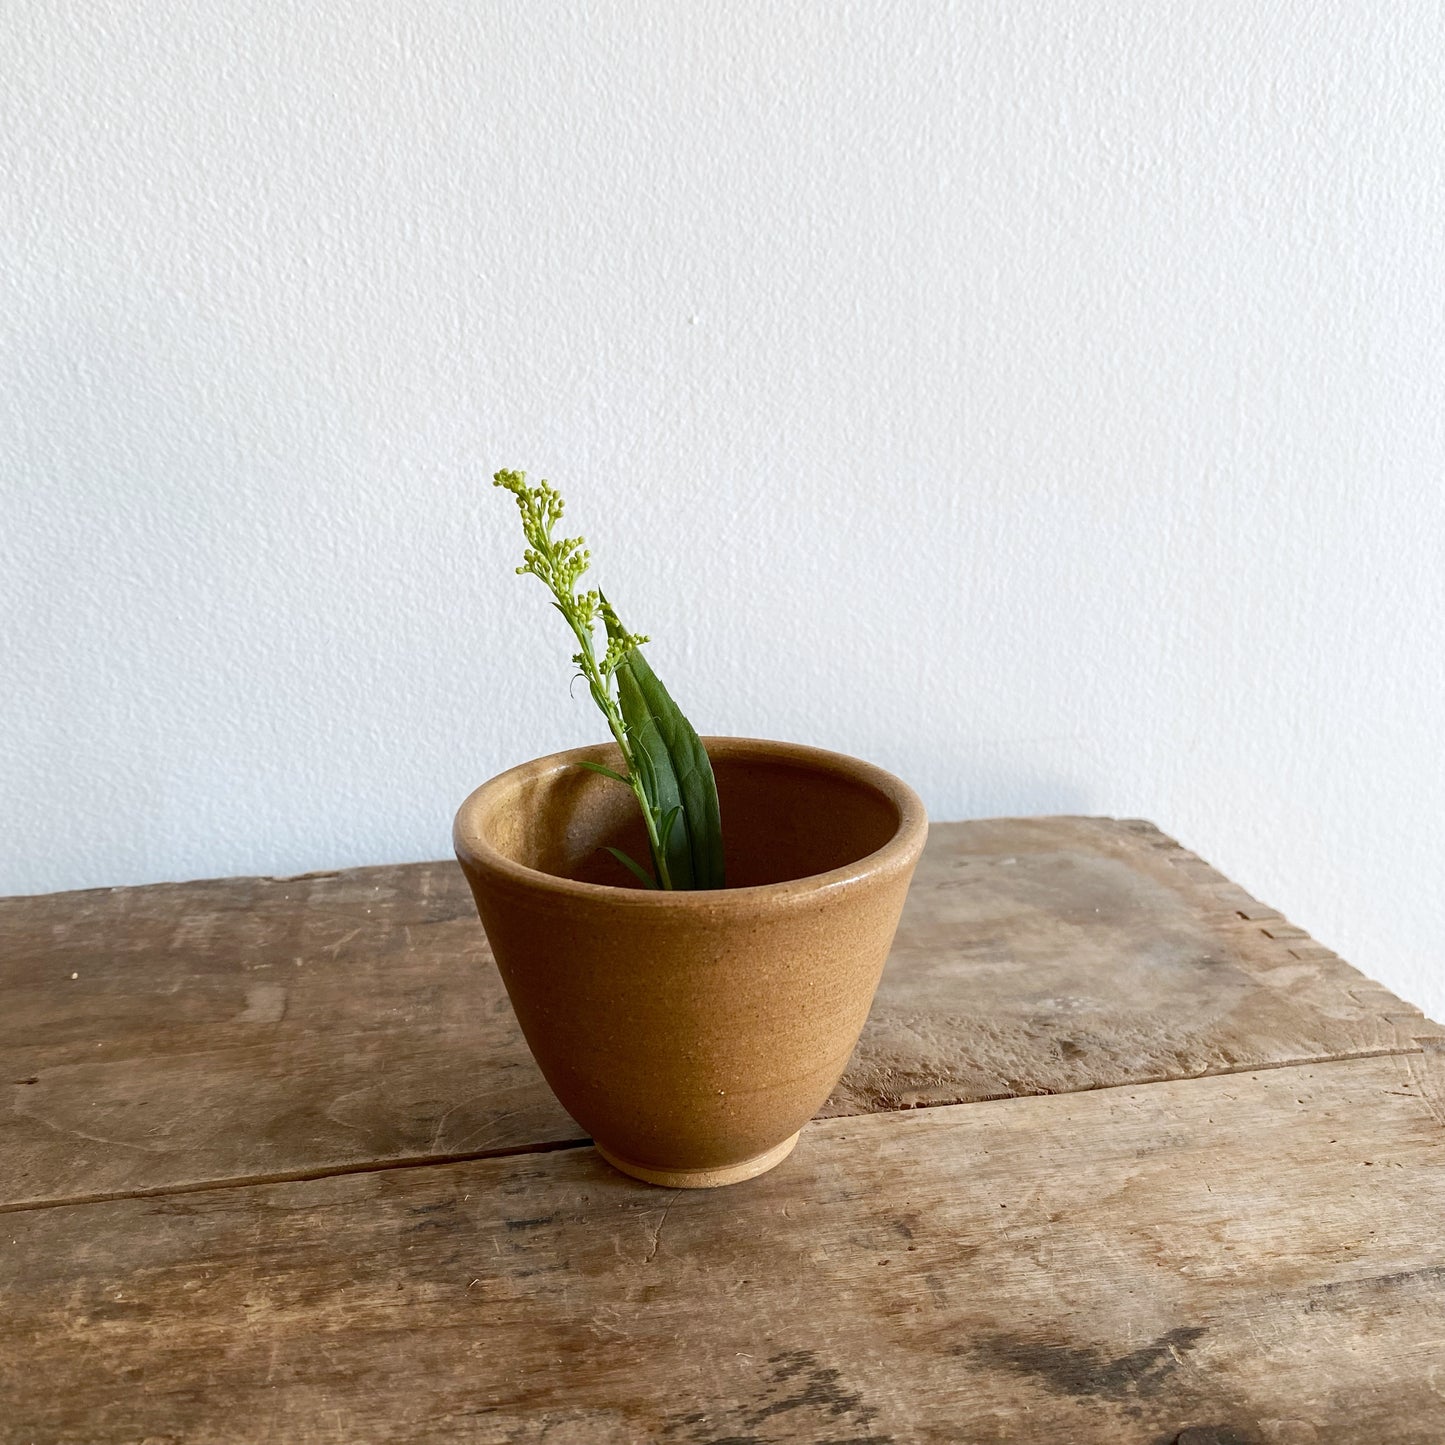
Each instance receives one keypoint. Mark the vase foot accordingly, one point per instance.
(703, 1178)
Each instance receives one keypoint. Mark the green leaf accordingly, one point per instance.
(659, 781)
(606, 772)
(648, 881)
(674, 768)
(665, 827)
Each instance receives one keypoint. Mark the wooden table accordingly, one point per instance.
(1122, 1157)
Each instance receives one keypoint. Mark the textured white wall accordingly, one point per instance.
(1041, 399)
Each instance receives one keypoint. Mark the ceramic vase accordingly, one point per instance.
(692, 1034)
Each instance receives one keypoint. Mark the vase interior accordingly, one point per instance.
(782, 819)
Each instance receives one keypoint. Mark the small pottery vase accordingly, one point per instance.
(693, 1033)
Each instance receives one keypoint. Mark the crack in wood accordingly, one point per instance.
(300, 1176)
(657, 1233)
(296, 1176)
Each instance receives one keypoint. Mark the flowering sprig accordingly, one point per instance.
(666, 765)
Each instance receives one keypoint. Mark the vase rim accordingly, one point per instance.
(900, 851)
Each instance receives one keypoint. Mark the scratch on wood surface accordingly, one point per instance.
(657, 1233)
(441, 1126)
(485, 1133)
(332, 1114)
(71, 1131)
(598, 1326)
(1426, 1071)
(193, 931)
(334, 948)
(469, 1140)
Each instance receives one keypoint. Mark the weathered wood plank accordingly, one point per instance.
(1251, 1258)
(1047, 955)
(255, 1026)
(258, 1027)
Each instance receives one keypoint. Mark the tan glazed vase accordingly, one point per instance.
(693, 1033)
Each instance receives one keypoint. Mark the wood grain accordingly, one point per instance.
(163, 1037)
(1238, 1260)
(1049, 955)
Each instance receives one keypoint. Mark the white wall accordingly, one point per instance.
(1041, 399)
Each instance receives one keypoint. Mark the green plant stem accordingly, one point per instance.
(599, 685)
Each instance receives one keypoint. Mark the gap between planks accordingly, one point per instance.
(431, 1161)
